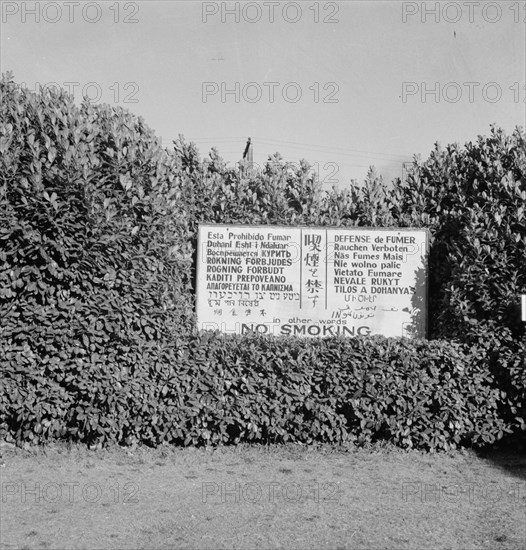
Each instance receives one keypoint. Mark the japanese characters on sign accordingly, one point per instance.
(312, 281)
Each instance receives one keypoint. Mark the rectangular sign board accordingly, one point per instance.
(312, 281)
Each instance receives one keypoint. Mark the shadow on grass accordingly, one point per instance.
(508, 454)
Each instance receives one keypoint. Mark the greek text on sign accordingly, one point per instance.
(312, 281)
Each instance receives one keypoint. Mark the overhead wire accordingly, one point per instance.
(305, 146)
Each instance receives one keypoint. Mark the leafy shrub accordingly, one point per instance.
(94, 257)
(474, 201)
(98, 226)
(428, 395)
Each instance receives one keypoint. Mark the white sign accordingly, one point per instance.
(312, 281)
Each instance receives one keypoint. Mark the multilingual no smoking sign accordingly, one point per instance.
(312, 281)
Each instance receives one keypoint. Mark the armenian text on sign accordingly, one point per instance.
(312, 281)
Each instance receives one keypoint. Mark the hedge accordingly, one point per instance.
(223, 390)
(97, 337)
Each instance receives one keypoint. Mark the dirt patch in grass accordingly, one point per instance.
(260, 497)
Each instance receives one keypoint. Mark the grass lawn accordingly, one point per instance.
(261, 497)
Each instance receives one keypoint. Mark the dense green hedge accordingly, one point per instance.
(421, 394)
(98, 226)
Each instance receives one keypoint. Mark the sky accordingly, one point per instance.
(344, 85)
